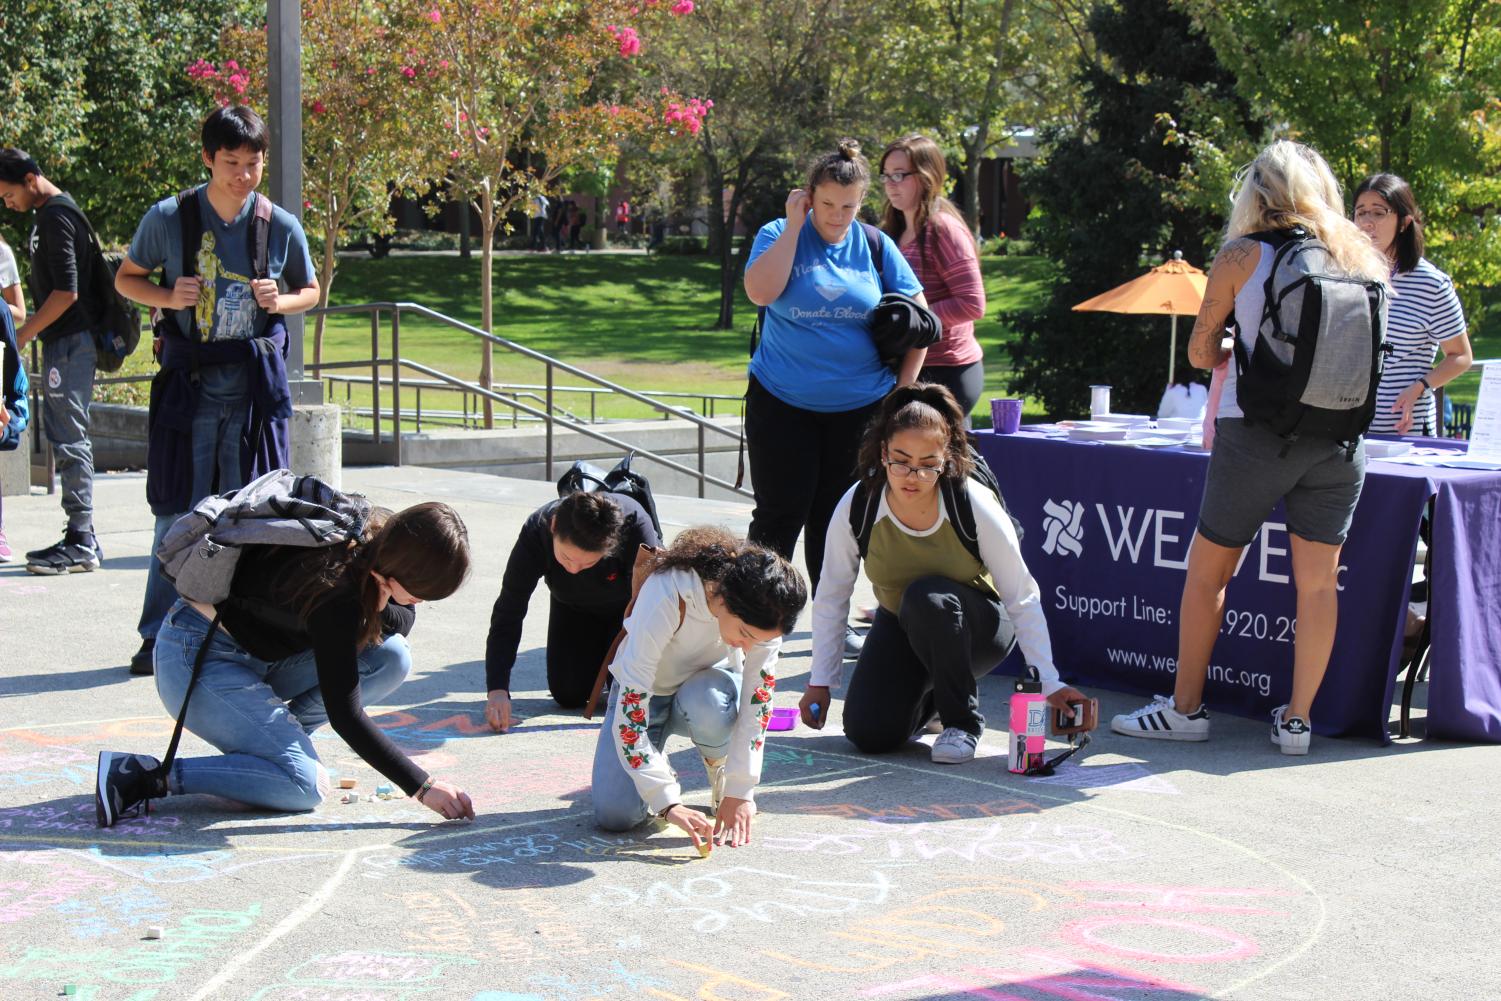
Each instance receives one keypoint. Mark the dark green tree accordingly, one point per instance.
(1148, 175)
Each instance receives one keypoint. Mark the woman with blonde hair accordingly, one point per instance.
(1287, 187)
(935, 240)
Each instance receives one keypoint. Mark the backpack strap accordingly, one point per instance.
(259, 236)
(182, 714)
(874, 238)
(864, 505)
(190, 226)
(961, 513)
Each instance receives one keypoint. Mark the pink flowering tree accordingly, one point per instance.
(532, 89)
(364, 80)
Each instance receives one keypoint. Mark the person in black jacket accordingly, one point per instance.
(306, 637)
(62, 259)
(584, 546)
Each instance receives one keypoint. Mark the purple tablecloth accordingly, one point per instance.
(1107, 530)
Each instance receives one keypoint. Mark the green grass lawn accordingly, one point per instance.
(644, 322)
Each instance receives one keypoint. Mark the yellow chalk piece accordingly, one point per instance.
(347, 783)
(704, 848)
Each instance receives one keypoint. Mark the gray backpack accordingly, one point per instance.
(200, 551)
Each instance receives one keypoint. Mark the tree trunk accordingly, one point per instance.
(972, 188)
(325, 287)
(729, 270)
(487, 258)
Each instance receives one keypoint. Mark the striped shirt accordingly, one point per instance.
(945, 262)
(1424, 312)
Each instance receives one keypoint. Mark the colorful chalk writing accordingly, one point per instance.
(736, 894)
(997, 841)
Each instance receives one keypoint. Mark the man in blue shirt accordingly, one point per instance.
(221, 329)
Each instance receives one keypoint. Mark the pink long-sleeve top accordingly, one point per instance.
(945, 261)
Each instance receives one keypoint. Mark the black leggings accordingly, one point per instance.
(966, 382)
(801, 463)
(576, 644)
(928, 657)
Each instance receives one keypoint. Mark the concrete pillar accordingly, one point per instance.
(317, 442)
(15, 467)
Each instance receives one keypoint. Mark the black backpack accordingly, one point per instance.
(864, 505)
(620, 480)
(116, 321)
(257, 236)
(1319, 348)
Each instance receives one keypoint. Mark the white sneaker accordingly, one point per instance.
(715, 768)
(954, 747)
(1290, 733)
(1160, 720)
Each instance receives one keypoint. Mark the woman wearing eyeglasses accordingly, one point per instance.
(935, 240)
(1425, 312)
(945, 618)
(816, 376)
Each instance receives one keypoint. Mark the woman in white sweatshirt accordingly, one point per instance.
(699, 660)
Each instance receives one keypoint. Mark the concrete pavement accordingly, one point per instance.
(1145, 871)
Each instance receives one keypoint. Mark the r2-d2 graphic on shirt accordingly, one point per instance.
(226, 308)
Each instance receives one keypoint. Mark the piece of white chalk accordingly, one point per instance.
(154, 932)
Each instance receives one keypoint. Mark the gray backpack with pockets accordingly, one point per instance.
(200, 551)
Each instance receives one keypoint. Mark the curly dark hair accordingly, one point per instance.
(590, 520)
(924, 406)
(759, 587)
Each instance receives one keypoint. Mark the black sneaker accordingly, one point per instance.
(78, 552)
(125, 782)
(141, 664)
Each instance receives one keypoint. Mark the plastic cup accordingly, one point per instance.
(1099, 400)
(1005, 416)
(782, 719)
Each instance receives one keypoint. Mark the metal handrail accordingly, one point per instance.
(548, 414)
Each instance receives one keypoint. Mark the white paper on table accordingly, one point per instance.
(1485, 425)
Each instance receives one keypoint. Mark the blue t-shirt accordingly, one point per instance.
(226, 308)
(816, 351)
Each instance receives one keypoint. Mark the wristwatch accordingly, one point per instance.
(1426, 384)
(667, 809)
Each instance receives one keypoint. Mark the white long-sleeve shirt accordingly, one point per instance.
(1000, 552)
(657, 657)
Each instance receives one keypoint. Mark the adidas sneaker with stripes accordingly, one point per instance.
(1160, 720)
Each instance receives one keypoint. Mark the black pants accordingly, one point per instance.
(801, 463)
(966, 382)
(928, 657)
(576, 644)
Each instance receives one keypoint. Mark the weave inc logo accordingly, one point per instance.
(1063, 522)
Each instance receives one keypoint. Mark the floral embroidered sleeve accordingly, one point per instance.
(648, 629)
(758, 682)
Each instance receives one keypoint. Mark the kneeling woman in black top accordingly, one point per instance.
(584, 546)
(307, 637)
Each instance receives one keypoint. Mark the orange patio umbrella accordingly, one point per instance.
(1173, 289)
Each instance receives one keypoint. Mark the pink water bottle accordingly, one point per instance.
(1028, 724)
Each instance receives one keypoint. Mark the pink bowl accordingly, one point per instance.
(783, 719)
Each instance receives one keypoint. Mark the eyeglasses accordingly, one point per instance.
(896, 176)
(1373, 215)
(924, 474)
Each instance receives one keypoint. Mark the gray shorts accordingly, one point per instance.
(1248, 475)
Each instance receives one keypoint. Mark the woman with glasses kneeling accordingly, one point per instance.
(949, 610)
(699, 659)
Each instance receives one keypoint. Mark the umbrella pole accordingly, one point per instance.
(1172, 349)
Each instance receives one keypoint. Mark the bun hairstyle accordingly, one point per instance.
(845, 166)
(1399, 198)
(590, 520)
(922, 406)
(759, 587)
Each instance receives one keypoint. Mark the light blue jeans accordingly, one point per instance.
(704, 709)
(217, 427)
(259, 714)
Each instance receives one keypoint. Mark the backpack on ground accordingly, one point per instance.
(864, 506)
(1319, 349)
(621, 480)
(116, 321)
(257, 236)
(201, 550)
(648, 559)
